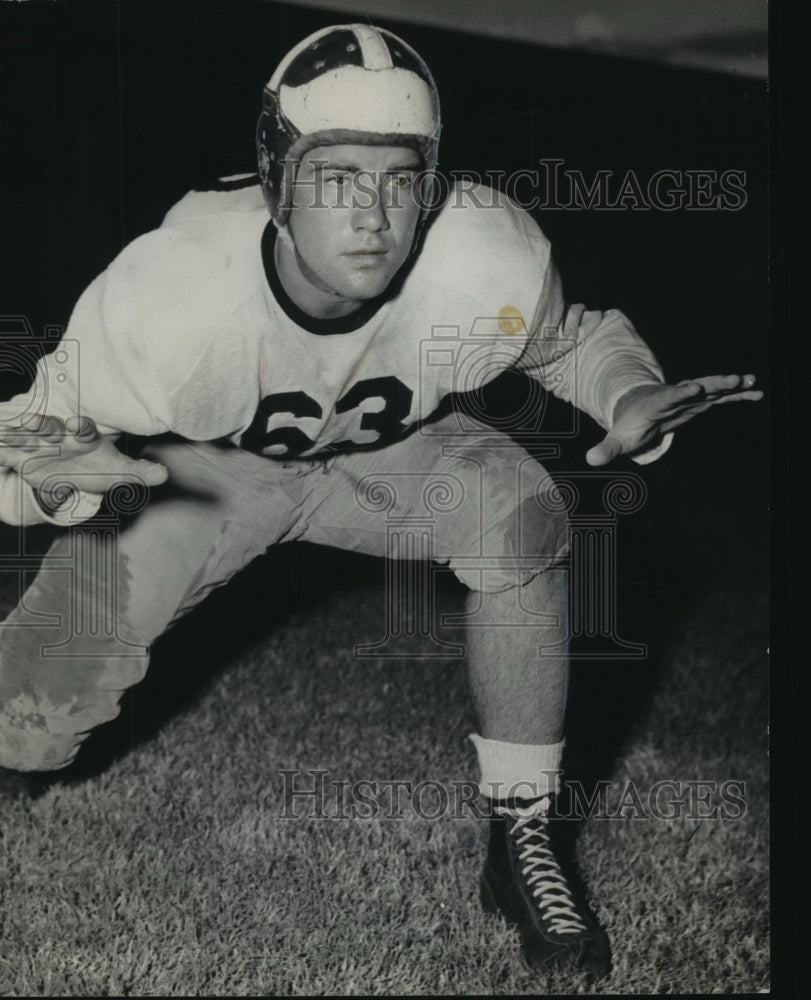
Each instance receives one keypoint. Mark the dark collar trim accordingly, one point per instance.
(341, 324)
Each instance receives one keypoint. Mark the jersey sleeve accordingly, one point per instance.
(588, 358)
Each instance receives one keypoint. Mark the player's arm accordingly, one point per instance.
(598, 362)
(57, 441)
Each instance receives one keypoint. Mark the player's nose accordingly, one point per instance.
(369, 212)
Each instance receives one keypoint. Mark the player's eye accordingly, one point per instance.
(401, 180)
(398, 187)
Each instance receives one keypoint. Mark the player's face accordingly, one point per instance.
(353, 219)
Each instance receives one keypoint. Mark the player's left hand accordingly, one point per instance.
(644, 414)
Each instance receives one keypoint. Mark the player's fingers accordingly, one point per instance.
(31, 422)
(729, 397)
(718, 388)
(8, 434)
(82, 428)
(752, 395)
(41, 427)
(571, 322)
(52, 429)
(26, 434)
(671, 397)
(31, 432)
(679, 419)
(722, 384)
(16, 439)
(686, 391)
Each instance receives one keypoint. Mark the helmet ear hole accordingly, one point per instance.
(272, 139)
(264, 165)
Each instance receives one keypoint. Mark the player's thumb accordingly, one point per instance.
(152, 473)
(604, 452)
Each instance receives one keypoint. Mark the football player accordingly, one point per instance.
(289, 347)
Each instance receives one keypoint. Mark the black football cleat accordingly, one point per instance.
(22, 784)
(524, 881)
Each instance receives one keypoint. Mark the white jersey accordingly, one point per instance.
(189, 331)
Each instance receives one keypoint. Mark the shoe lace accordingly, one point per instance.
(541, 870)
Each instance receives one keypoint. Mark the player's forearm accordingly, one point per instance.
(613, 362)
(592, 359)
(588, 358)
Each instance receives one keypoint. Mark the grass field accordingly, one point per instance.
(167, 866)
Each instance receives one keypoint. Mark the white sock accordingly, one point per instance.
(517, 770)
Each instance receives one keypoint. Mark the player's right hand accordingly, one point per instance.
(51, 454)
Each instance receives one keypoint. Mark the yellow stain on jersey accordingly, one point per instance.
(510, 319)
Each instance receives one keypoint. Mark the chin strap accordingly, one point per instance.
(283, 234)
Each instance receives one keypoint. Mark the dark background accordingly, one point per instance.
(110, 112)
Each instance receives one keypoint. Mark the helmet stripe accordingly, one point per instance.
(373, 48)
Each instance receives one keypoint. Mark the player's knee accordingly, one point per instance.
(42, 727)
(57, 682)
(532, 538)
(543, 523)
(29, 741)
